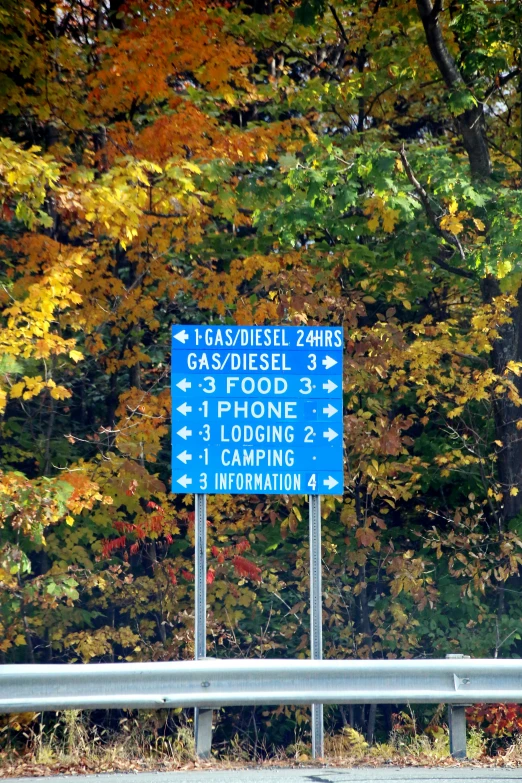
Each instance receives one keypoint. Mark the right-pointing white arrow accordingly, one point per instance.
(184, 385)
(184, 456)
(330, 482)
(329, 362)
(184, 408)
(181, 336)
(185, 481)
(329, 410)
(330, 386)
(330, 434)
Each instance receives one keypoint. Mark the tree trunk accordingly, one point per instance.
(507, 348)
(470, 123)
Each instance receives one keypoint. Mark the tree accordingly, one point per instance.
(354, 163)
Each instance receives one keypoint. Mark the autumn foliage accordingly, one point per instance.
(355, 164)
(497, 720)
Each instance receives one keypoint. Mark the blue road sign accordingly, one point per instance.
(276, 386)
(231, 409)
(257, 409)
(208, 362)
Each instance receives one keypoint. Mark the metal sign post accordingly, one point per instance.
(200, 542)
(257, 410)
(202, 717)
(316, 616)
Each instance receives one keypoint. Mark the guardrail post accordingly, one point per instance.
(316, 616)
(203, 732)
(457, 724)
(457, 730)
(202, 717)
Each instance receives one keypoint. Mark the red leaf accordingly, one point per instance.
(244, 567)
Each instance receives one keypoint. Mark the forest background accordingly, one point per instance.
(354, 163)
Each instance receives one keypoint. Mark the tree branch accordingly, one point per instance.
(432, 217)
(455, 270)
(339, 25)
(421, 192)
(164, 214)
(506, 154)
(500, 82)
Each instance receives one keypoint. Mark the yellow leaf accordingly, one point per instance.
(514, 367)
(34, 385)
(389, 220)
(453, 206)
(69, 519)
(228, 95)
(17, 389)
(373, 223)
(76, 356)
(19, 640)
(513, 491)
(504, 268)
(452, 224)
(60, 393)
(479, 224)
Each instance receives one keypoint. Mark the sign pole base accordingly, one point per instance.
(317, 731)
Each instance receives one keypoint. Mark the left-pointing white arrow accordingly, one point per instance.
(181, 336)
(184, 385)
(184, 408)
(330, 386)
(185, 481)
(329, 410)
(184, 456)
(329, 362)
(330, 482)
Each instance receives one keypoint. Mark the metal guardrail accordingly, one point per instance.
(211, 683)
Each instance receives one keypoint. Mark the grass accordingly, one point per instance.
(72, 743)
